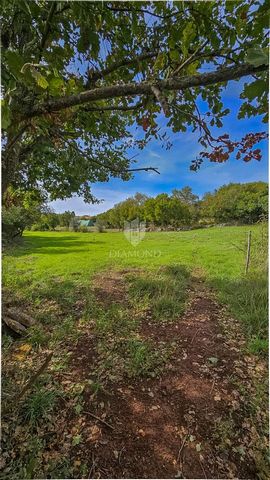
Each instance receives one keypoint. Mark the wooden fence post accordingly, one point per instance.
(248, 252)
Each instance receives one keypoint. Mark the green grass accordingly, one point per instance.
(164, 292)
(39, 403)
(57, 267)
(50, 275)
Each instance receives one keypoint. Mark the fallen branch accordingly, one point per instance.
(212, 388)
(29, 383)
(181, 448)
(14, 325)
(20, 317)
(34, 377)
(205, 476)
(99, 419)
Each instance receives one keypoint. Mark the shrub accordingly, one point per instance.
(100, 226)
(14, 220)
(73, 225)
(83, 229)
(40, 227)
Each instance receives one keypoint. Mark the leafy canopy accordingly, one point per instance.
(77, 75)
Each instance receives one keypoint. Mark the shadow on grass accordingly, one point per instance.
(56, 244)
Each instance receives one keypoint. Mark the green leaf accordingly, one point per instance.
(41, 81)
(257, 56)
(254, 89)
(55, 85)
(76, 440)
(174, 55)
(88, 40)
(98, 22)
(14, 62)
(192, 68)
(219, 123)
(189, 33)
(160, 62)
(5, 115)
(78, 408)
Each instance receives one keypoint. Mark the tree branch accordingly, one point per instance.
(145, 169)
(142, 10)
(108, 167)
(162, 100)
(15, 139)
(133, 89)
(96, 75)
(196, 119)
(190, 59)
(47, 28)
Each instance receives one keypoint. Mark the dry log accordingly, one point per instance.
(21, 317)
(14, 325)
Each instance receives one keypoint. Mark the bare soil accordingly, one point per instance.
(191, 421)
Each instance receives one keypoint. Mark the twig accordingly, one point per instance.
(112, 108)
(15, 139)
(107, 167)
(181, 448)
(29, 383)
(193, 338)
(119, 456)
(202, 468)
(146, 169)
(188, 60)
(213, 384)
(47, 28)
(99, 419)
(92, 469)
(35, 376)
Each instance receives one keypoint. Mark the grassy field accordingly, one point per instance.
(55, 266)
(109, 312)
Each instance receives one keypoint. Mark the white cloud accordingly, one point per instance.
(154, 154)
(77, 204)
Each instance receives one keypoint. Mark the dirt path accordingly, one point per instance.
(192, 421)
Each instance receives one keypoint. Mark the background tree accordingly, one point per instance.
(185, 195)
(236, 202)
(65, 218)
(77, 75)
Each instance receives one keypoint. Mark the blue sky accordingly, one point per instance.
(174, 164)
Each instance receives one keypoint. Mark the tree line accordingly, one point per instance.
(233, 203)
